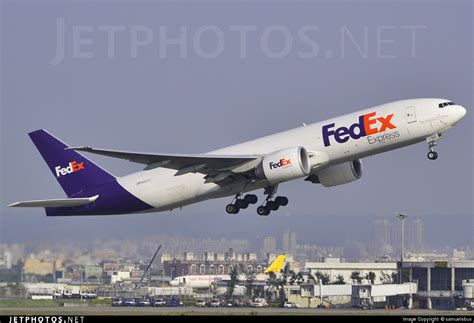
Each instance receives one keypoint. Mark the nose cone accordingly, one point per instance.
(174, 283)
(460, 112)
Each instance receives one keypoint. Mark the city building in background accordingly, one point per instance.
(386, 236)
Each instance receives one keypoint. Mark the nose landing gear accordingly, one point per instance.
(432, 154)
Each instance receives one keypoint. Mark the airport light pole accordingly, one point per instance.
(401, 216)
(172, 268)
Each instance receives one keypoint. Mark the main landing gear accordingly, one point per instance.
(272, 204)
(432, 154)
(241, 202)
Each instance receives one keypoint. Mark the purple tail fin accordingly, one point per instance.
(74, 172)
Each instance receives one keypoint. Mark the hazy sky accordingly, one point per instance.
(193, 76)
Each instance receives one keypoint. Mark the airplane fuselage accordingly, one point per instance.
(393, 125)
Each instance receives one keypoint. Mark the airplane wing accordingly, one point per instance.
(216, 166)
(69, 202)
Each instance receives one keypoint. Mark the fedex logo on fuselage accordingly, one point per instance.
(368, 124)
(281, 163)
(73, 166)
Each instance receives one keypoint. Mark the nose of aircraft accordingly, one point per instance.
(174, 282)
(460, 112)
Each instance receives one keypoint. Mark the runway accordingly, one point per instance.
(108, 310)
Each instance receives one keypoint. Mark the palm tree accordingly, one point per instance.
(370, 276)
(292, 277)
(339, 280)
(234, 279)
(273, 282)
(310, 278)
(299, 278)
(323, 278)
(250, 279)
(356, 276)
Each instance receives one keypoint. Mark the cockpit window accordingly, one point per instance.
(442, 105)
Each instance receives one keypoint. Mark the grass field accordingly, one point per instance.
(18, 303)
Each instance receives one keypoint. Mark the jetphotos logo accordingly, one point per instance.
(73, 166)
(369, 124)
(281, 163)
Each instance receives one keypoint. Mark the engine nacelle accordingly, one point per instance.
(340, 174)
(284, 165)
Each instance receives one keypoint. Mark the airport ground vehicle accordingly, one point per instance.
(88, 294)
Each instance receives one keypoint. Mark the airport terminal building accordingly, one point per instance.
(334, 267)
(442, 284)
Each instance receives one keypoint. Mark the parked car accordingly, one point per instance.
(237, 303)
(290, 305)
(259, 302)
(118, 301)
(159, 302)
(174, 302)
(144, 302)
(215, 302)
(201, 303)
(129, 302)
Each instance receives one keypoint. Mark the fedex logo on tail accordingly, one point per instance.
(281, 163)
(73, 166)
(368, 124)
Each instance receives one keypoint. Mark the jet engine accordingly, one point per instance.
(284, 165)
(338, 174)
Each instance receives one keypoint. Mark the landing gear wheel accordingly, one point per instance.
(432, 155)
(232, 209)
(251, 198)
(241, 204)
(272, 206)
(262, 210)
(281, 200)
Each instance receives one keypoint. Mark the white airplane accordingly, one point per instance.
(327, 152)
(205, 281)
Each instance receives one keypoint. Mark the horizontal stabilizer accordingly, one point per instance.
(70, 202)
